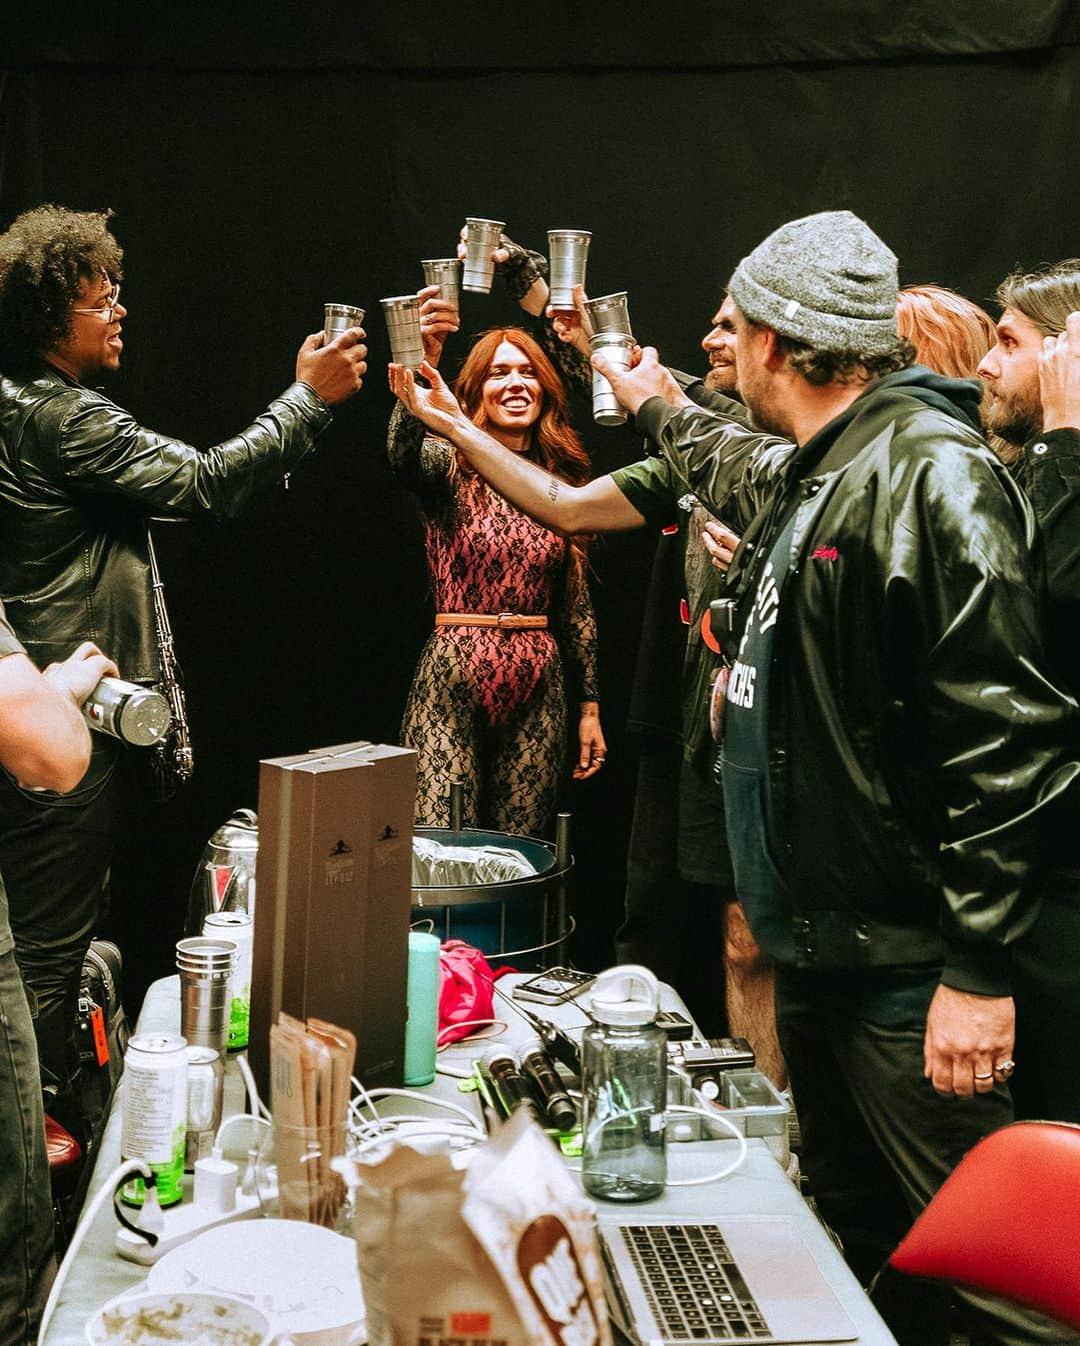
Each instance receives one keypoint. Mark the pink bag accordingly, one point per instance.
(465, 994)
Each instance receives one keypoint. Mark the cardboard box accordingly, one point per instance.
(333, 877)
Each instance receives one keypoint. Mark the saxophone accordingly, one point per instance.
(175, 757)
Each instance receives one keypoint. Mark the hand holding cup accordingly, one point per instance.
(438, 318)
(646, 378)
(335, 371)
(573, 326)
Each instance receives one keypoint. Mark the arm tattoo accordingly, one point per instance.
(553, 489)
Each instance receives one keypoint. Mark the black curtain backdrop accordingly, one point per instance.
(261, 166)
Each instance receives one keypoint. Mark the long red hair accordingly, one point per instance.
(554, 442)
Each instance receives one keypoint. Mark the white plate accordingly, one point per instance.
(305, 1277)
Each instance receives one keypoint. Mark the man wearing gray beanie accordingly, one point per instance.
(891, 740)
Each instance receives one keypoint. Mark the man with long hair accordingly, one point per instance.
(891, 741)
(80, 480)
(1032, 376)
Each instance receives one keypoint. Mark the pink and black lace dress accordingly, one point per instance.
(488, 706)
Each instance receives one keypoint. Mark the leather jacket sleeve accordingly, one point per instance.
(101, 449)
(963, 627)
(729, 466)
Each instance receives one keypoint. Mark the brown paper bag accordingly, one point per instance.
(425, 1277)
(503, 1254)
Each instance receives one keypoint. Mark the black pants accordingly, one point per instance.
(56, 852)
(878, 1140)
(1046, 981)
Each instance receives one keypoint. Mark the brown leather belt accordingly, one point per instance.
(507, 621)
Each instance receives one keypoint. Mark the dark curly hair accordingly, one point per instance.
(820, 367)
(44, 258)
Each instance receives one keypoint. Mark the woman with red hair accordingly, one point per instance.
(514, 624)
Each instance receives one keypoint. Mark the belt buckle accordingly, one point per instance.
(502, 620)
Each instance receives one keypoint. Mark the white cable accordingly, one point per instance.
(423, 1098)
(713, 1116)
(376, 1141)
(129, 1168)
(453, 1074)
(256, 1106)
(239, 1117)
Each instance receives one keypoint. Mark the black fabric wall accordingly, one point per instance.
(259, 171)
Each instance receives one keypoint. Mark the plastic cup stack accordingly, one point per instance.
(205, 967)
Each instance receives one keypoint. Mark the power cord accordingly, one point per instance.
(130, 1168)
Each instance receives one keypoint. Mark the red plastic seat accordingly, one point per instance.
(61, 1147)
(1007, 1221)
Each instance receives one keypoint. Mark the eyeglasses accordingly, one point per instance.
(104, 311)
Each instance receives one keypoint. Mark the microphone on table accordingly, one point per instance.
(539, 1069)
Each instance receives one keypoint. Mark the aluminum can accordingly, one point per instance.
(154, 1115)
(235, 926)
(205, 1081)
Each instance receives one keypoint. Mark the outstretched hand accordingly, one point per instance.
(335, 370)
(648, 378)
(435, 405)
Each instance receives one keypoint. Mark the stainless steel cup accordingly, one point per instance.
(610, 313)
(568, 251)
(617, 346)
(483, 239)
(402, 314)
(339, 318)
(205, 967)
(445, 272)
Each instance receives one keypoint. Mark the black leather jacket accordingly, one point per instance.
(914, 737)
(79, 482)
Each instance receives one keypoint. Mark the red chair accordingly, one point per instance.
(1007, 1221)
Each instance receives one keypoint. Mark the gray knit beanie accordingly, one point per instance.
(827, 280)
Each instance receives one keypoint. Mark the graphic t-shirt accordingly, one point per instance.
(744, 761)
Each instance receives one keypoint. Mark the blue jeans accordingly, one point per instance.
(26, 1227)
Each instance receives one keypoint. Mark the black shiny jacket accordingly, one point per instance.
(915, 738)
(79, 482)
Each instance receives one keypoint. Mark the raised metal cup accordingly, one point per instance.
(205, 967)
(618, 347)
(482, 240)
(568, 251)
(402, 314)
(445, 272)
(339, 318)
(610, 313)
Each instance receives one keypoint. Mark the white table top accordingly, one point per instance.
(759, 1187)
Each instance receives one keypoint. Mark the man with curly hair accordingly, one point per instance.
(80, 480)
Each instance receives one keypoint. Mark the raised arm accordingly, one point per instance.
(599, 506)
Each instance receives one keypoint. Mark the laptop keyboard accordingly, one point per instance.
(693, 1284)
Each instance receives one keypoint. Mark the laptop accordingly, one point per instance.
(694, 1282)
